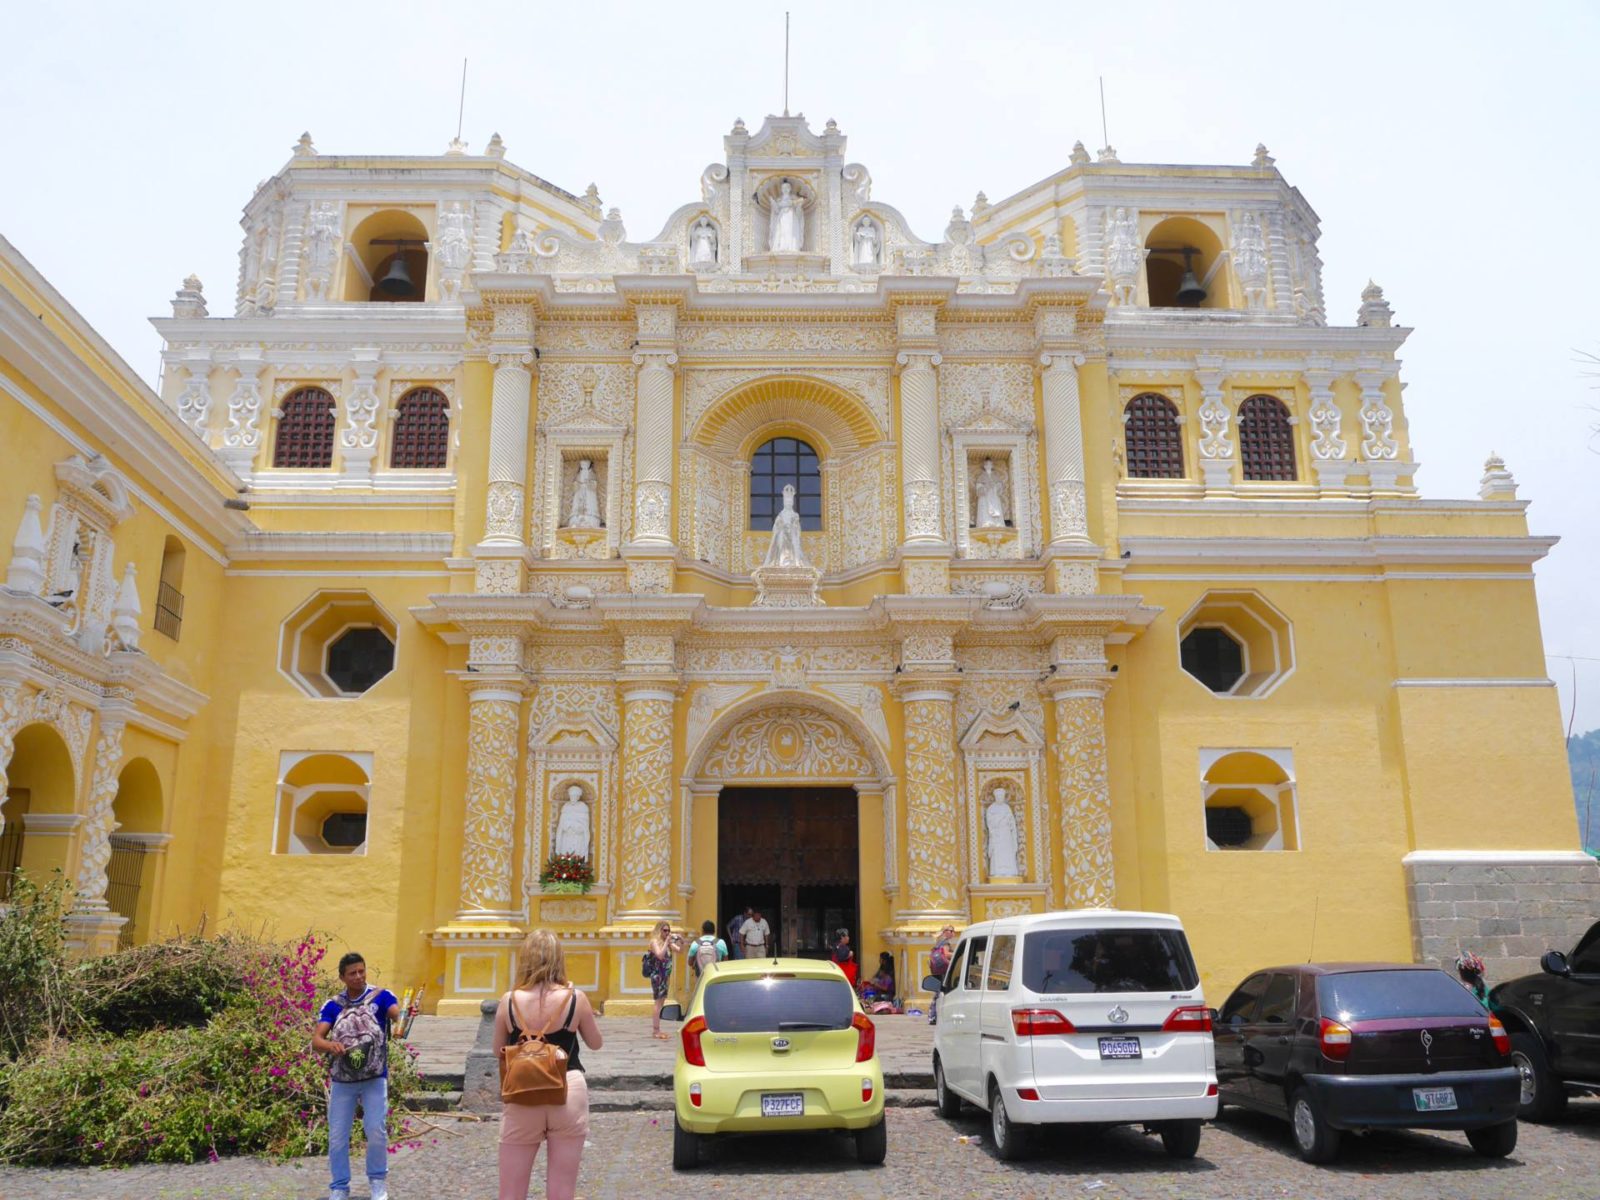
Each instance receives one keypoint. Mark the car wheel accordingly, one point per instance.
(1314, 1138)
(1180, 1139)
(1010, 1143)
(949, 1103)
(872, 1143)
(685, 1148)
(1494, 1141)
(1542, 1098)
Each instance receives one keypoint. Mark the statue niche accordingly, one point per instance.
(573, 823)
(785, 203)
(583, 505)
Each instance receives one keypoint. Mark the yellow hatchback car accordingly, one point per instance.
(772, 1045)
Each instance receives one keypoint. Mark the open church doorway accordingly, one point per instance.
(793, 854)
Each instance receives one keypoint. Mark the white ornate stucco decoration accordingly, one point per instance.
(1124, 256)
(1327, 443)
(786, 743)
(574, 823)
(190, 302)
(99, 821)
(453, 248)
(322, 248)
(1250, 260)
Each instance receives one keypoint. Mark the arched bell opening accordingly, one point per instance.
(389, 259)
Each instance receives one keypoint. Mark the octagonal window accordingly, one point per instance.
(1214, 657)
(345, 829)
(358, 658)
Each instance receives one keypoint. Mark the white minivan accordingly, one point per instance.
(1093, 1016)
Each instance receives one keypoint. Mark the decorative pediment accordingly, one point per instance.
(573, 732)
(788, 742)
(95, 490)
(1004, 733)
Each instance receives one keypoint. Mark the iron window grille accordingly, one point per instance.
(305, 430)
(783, 461)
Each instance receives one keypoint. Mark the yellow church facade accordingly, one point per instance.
(785, 559)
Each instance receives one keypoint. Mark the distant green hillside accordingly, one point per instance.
(1583, 753)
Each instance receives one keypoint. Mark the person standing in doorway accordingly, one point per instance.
(844, 957)
(664, 944)
(755, 934)
(705, 952)
(353, 1030)
(544, 999)
(735, 946)
(939, 963)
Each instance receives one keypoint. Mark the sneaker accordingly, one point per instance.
(380, 1189)
(338, 1194)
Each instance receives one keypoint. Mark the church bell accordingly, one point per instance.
(1190, 293)
(396, 280)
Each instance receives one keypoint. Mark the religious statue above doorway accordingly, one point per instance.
(785, 549)
(786, 227)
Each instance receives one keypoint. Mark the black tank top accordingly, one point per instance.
(566, 1038)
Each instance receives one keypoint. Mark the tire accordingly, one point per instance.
(1180, 1139)
(1542, 1096)
(685, 1148)
(949, 1103)
(872, 1143)
(1314, 1138)
(1494, 1141)
(1010, 1142)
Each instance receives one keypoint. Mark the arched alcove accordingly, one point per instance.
(39, 805)
(381, 240)
(833, 420)
(131, 873)
(1178, 244)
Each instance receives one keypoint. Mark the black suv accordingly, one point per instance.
(1554, 1022)
(1355, 1046)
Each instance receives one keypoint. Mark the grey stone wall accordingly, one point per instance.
(1510, 912)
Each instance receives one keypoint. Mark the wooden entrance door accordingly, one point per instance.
(795, 851)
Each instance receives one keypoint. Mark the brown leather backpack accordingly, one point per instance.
(533, 1070)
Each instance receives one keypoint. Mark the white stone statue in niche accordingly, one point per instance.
(572, 827)
(990, 490)
(785, 549)
(865, 243)
(786, 228)
(1000, 840)
(703, 243)
(584, 511)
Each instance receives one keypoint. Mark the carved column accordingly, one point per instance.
(494, 715)
(1083, 790)
(511, 352)
(100, 820)
(644, 825)
(10, 725)
(932, 890)
(1063, 448)
(919, 444)
(241, 436)
(652, 454)
(1379, 447)
(1327, 441)
(1216, 440)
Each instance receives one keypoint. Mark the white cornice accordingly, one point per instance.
(1383, 550)
(1167, 339)
(396, 546)
(334, 325)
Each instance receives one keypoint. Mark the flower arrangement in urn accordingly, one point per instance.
(567, 873)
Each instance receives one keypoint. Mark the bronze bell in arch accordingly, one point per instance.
(396, 280)
(1190, 293)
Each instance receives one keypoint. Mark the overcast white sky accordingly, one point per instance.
(1449, 149)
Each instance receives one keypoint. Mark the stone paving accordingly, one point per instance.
(1242, 1157)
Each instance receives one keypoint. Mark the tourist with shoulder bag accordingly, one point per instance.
(353, 1031)
(544, 1095)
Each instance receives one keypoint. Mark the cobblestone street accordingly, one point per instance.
(1242, 1156)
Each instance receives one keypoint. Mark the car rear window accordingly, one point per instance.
(1070, 961)
(773, 1003)
(1378, 995)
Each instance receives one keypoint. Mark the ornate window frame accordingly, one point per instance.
(1019, 452)
(556, 759)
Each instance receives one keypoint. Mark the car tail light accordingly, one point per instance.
(1502, 1039)
(866, 1037)
(1027, 1093)
(866, 1089)
(1195, 1018)
(1211, 1089)
(1334, 1039)
(694, 1094)
(693, 1053)
(1039, 1022)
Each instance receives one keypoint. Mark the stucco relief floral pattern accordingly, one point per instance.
(490, 806)
(558, 703)
(933, 869)
(503, 517)
(1085, 802)
(11, 699)
(100, 820)
(786, 743)
(644, 877)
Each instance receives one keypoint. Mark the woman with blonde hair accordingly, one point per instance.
(658, 969)
(541, 999)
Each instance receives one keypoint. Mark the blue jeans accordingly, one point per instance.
(374, 1097)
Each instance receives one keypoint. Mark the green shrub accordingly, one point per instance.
(182, 982)
(37, 997)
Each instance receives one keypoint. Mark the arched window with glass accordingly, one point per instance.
(1266, 440)
(781, 461)
(421, 430)
(1155, 443)
(305, 430)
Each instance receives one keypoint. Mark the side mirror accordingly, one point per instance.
(932, 983)
(1555, 963)
(672, 1012)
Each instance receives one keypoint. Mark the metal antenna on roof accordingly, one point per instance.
(461, 108)
(1316, 907)
(786, 62)
(1105, 137)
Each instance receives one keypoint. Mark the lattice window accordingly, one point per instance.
(1266, 439)
(783, 461)
(305, 430)
(1155, 443)
(421, 430)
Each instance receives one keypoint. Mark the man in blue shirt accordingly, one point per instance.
(360, 1020)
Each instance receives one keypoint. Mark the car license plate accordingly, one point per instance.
(1434, 1099)
(1120, 1047)
(783, 1104)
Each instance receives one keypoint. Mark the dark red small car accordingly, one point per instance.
(1352, 1046)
